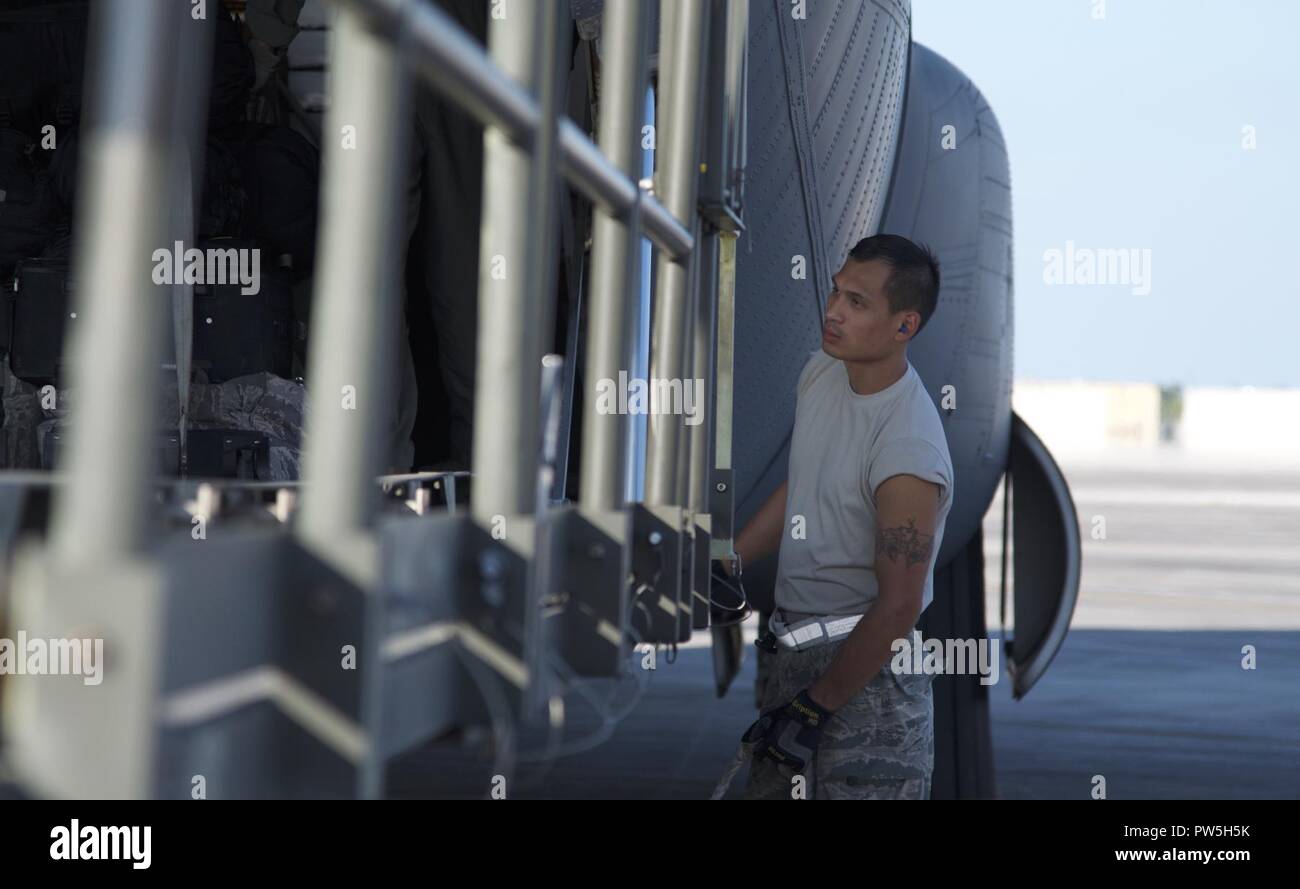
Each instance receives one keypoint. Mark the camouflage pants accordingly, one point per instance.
(880, 745)
(261, 402)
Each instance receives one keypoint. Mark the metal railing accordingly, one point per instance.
(469, 589)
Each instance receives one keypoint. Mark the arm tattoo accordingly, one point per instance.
(905, 544)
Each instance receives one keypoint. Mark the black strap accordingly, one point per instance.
(1006, 527)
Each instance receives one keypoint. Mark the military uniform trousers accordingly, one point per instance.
(880, 745)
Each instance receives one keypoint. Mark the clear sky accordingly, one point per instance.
(1127, 132)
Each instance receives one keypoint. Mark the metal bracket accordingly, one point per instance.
(424, 682)
(269, 665)
(656, 571)
(686, 584)
(721, 514)
(421, 492)
(588, 621)
(224, 662)
(446, 583)
(702, 584)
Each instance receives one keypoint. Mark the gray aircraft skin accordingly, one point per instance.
(852, 130)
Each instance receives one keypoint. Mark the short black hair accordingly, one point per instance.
(913, 273)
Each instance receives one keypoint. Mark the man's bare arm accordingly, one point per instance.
(761, 536)
(907, 510)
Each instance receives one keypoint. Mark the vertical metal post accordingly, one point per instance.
(70, 738)
(517, 270)
(682, 38)
(737, 92)
(641, 328)
(689, 370)
(357, 275)
(616, 249)
(115, 350)
(187, 197)
(702, 369)
(728, 47)
(724, 383)
(182, 314)
(728, 187)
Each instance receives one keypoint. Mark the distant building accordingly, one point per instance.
(1082, 416)
(1079, 417)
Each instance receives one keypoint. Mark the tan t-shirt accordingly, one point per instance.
(844, 446)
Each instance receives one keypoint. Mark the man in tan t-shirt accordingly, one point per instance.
(869, 487)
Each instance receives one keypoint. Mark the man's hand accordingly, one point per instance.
(789, 735)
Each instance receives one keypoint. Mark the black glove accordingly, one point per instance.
(789, 735)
